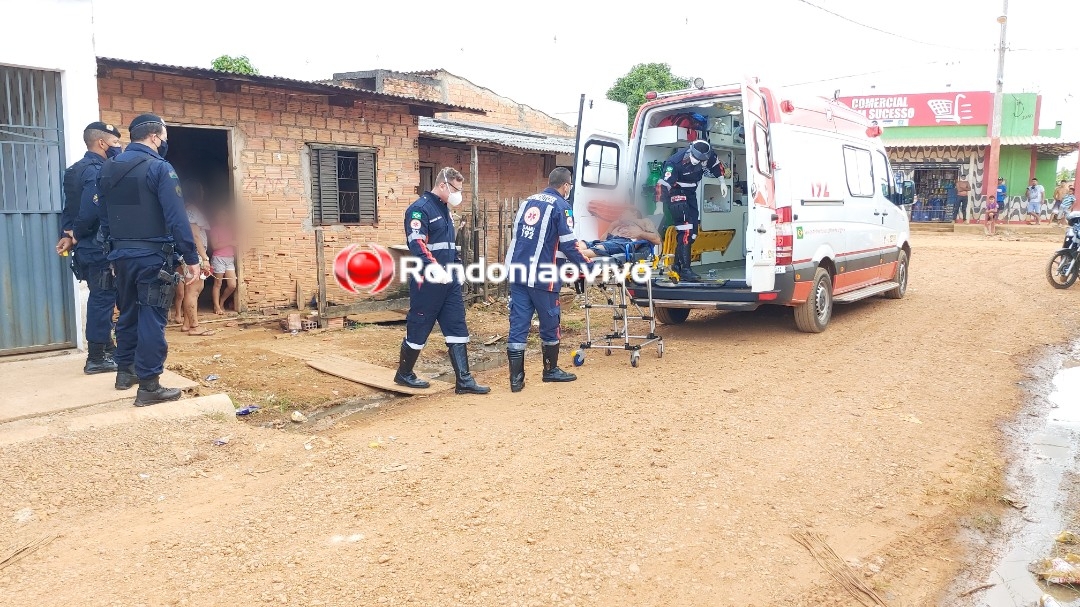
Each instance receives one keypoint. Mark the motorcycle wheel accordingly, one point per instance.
(1053, 269)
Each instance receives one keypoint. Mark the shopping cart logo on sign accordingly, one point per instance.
(946, 110)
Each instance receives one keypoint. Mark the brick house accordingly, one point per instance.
(516, 145)
(292, 155)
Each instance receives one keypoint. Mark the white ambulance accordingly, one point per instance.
(809, 213)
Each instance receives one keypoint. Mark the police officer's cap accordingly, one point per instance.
(145, 119)
(101, 126)
(700, 150)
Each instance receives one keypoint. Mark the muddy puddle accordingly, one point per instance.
(1044, 492)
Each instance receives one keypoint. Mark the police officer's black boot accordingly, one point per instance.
(682, 264)
(552, 372)
(405, 376)
(97, 361)
(151, 392)
(516, 359)
(463, 380)
(126, 378)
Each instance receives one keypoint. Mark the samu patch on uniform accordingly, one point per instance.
(417, 215)
(415, 224)
(570, 222)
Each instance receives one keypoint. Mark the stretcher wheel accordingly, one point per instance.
(607, 350)
(660, 350)
(634, 358)
(579, 357)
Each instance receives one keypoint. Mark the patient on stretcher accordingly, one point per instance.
(629, 227)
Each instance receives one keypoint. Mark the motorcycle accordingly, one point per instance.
(1064, 265)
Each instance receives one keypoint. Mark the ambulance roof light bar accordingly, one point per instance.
(651, 95)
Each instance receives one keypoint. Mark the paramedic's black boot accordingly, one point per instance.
(516, 359)
(463, 380)
(126, 378)
(151, 393)
(405, 376)
(97, 361)
(682, 264)
(552, 372)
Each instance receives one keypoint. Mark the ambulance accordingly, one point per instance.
(808, 214)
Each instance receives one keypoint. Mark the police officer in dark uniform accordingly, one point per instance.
(677, 189)
(543, 240)
(429, 229)
(146, 225)
(81, 236)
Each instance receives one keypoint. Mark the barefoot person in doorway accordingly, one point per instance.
(194, 195)
(223, 261)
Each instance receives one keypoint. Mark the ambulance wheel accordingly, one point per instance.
(634, 356)
(579, 358)
(813, 315)
(672, 316)
(901, 277)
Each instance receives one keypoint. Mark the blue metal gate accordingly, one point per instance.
(37, 299)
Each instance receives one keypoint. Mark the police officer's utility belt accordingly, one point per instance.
(167, 248)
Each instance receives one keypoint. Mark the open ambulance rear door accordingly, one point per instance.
(761, 206)
(601, 166)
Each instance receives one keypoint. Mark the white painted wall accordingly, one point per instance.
(58, 35)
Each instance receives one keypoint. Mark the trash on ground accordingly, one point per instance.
(224, 440)
(247, 410)
(298, 417)
(1009, 500)
(394, 468)
(1048, 601)
(1058, 570)
(217, 356)
(1068, 537)
(212, 378)
(375, 444)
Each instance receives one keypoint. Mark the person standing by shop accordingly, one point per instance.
(1036, 194)
(1002, 191)
(147, 225)
(81, 236)
(962, 190)
(429, 230)
(1056, 215)
(543, 233)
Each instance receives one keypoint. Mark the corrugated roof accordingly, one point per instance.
(281, 82)
(449, 130)
(1046, 145)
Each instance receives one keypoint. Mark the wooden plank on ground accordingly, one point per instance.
(377, 317)
(369, 374)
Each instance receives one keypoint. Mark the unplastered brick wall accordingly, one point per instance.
(504, 177)
(271, 130)
(500, 110)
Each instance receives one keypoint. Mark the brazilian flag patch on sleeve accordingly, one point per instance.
(417, 215)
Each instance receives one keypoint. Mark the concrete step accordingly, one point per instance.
(931, 227)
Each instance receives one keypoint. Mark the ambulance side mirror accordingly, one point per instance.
(907, 193)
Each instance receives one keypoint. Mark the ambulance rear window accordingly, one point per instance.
(600, 166)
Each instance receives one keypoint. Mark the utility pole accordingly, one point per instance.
(993, 163)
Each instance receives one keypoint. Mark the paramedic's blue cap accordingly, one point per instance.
(145, 119)
(700, 150)
(101, 126)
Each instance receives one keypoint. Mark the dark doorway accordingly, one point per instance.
(202, 155)
(427, 175)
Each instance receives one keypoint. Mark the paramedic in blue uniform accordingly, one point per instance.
(677, 189)
(147, 226)
(543, 236)
(429, 229)
(80, 235)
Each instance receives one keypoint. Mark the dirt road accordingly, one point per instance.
(676, 483)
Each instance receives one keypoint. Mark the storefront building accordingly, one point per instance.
(941, 142)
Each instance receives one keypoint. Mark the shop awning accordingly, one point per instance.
(1045, 145)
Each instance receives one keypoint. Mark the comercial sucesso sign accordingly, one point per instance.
(925, 109)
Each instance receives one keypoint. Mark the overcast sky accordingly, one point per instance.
(549, 53)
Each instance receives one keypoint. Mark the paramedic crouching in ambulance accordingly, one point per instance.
(543, 241)
(677, 189)
(437, 297)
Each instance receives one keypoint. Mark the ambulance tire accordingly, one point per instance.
(901, 278)
(672, 316)
(813, 315)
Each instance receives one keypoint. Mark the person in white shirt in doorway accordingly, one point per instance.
(1036, 194)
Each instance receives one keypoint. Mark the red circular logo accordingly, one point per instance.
(367, 269)
(532, 216)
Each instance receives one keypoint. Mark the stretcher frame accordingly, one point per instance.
(622, 305)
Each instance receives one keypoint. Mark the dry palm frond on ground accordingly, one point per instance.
(837, 568)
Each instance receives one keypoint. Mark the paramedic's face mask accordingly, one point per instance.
(454, 198)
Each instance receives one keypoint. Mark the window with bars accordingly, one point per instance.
(343, 189)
